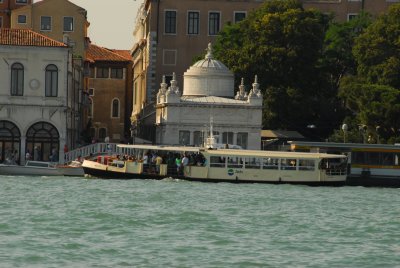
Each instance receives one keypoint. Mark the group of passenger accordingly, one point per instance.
(175, 162)
(152, 160)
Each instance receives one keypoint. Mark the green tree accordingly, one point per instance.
(377, 107)
(377, 50)
(372, 96)
(338, 59)
(281, 43)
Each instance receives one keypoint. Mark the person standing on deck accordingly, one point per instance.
(178, 163)
(185, 162)
(145, 162)
(158, 161)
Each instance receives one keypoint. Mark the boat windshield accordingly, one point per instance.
(334, 166)
(38, 164)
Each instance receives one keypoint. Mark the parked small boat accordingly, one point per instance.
(31, 168)
(73, 169)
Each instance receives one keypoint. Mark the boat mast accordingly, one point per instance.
(211, 140)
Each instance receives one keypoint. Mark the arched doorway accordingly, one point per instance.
(10, 143)
(43, 140)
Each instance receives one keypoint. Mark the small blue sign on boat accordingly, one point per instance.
(230, 172)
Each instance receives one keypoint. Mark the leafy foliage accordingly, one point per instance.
(375, 106)
(377, 50)
(337, 59)
(315, 71)
(372, 95)
(281, 43)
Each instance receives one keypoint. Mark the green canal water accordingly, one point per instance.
(76, 222)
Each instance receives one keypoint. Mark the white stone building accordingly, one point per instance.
(208, 94)
(37, 105)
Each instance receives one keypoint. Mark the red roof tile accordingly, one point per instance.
(96, 53)
(124, 53)
(24, 37)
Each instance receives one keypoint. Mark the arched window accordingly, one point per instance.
(17, 79)
(115, 108)
(102, 133)
(51, 81)
(42, 139)
(10, 143)
(93, 132)
(184, 137)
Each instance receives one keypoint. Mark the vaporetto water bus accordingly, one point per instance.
(219, 165)
(368, 164)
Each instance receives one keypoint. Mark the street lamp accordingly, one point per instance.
(363, 132)
(345, 129)
(377, 134)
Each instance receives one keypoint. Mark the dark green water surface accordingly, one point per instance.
(76, 222)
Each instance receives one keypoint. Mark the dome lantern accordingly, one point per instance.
(208, 77)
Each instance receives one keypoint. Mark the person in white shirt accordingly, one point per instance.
(185, 160)
(27, 155)
(145, 159)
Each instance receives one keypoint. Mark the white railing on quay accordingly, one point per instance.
(90, 151)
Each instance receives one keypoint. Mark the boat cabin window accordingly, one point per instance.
(333, 163)
(37, 164)
(375, 158)
(306, 164)
(117, 163)
(217, 161)
(235, 162)
(270, 163)
(252, 163)
(288, 163)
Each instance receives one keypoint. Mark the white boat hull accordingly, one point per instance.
(133, 170)
(14, 170)
(71, 171)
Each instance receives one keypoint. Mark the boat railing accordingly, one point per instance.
(235, 165)
(336, 171)
(271, 166)
(219, 165)
(90, 151)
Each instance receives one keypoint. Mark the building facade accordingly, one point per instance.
(170, 34)
(65, 22)
(60, 20)
(110, 92)
(6, 6)
(345, 10)
(183, 116)
(36, 96)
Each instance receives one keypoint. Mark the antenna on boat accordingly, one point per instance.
(211, 127)
(210, 143)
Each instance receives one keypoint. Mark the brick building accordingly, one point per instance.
(6, 6)
(169, 35)
(110, 93)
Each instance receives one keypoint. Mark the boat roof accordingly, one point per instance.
(267, 154)
(232, 152)
(349, 146)
(160, 147)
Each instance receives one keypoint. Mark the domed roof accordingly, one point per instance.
(209, 62)
(208, 77)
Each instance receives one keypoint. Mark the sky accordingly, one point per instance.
(111, 25)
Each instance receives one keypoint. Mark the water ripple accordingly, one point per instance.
(74, 222)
